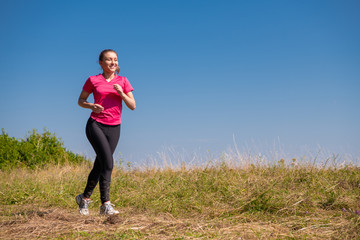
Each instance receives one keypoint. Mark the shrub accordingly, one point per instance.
(36, 150)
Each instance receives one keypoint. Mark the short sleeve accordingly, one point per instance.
(88, 86)
(127, 86)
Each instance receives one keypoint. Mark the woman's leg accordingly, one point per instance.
(93, 179)
(104, 139)
(112, 134)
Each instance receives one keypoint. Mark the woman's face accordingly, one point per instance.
(109, 62)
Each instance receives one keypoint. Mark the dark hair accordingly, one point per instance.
(101, 57)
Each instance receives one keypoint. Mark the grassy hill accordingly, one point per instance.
(283, 200)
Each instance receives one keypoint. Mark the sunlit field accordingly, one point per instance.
(233, 197)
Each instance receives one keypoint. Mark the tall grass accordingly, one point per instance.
(218, 191)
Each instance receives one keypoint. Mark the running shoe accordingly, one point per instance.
(107, 209)
(83, 204)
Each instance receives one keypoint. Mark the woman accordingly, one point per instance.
(103, 126)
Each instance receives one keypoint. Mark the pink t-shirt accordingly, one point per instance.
(107, 96)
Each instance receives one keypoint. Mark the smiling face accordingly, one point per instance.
(109, 62)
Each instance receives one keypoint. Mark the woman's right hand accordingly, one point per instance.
(96, 108)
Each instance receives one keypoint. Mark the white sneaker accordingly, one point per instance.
(83, 204)
(107, 209)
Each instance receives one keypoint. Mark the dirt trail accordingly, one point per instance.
(129, 224)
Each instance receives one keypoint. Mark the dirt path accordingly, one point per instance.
(130, 224)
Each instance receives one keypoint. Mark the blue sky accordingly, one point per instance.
(204, 72)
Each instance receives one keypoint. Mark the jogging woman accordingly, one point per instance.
(103, 126)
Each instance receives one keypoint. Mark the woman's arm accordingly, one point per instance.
(85, 104)
(128, 98)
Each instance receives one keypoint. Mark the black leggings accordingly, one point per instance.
(103, 139)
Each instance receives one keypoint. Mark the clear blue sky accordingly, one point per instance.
(203, 72)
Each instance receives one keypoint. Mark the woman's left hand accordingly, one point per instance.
(118, 88)
(128, 98)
